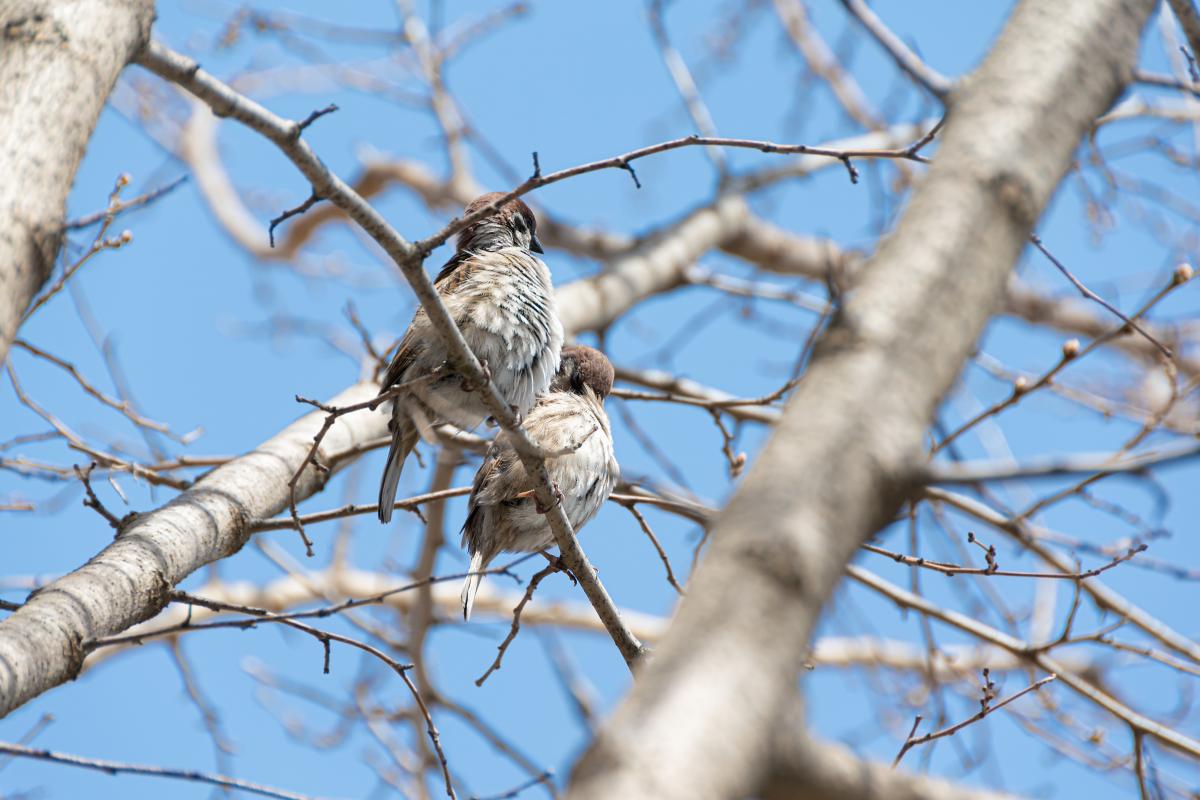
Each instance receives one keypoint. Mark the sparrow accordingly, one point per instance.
(500, 295)
(502, 514)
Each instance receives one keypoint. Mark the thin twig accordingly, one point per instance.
(992, 569)
(125, 205)
(502, 648)
(987, 708)
(631, 505)
(1089, 294)
(117, 767)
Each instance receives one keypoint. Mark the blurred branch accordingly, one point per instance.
(855, 428)
(822, 61)
(1036, 656)
(72, 54)
(805, 769)
(1055, 466)
(1189, 20)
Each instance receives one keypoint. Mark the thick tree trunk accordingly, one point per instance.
(705, 708)
(59, 60)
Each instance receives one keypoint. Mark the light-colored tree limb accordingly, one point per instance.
(780, 251)
(1055, 466)
(806, 769)
(58, 63)
(41, 644)
(657, 266)
(851, 440)
(293, 592)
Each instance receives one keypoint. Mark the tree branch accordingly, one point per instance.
(846, 452)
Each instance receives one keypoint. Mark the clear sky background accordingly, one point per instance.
(209, 337)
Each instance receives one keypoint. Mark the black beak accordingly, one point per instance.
(535, 245)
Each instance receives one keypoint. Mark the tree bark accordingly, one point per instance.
(42, 643)
(59, 60)
(706, 707)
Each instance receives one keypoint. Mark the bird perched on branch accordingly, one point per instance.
(499, 294)
(503, 514)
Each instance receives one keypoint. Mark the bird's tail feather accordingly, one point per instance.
(404, 439)
(471, 584)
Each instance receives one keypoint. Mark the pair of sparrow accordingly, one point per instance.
(500, 295)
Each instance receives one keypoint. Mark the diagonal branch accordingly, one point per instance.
(851, 442)
(285, 134)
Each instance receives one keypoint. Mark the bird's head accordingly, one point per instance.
(581, 368)
(512, 225)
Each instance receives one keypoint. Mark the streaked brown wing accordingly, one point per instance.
(410, 347)
(450, 267)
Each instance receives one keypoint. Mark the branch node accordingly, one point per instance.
(311, 118)
(850, 168)
(312, 200)
(625, 165)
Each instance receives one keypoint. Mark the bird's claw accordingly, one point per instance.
(558, 498)
(468, 385)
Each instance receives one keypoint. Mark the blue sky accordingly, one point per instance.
(191, 315)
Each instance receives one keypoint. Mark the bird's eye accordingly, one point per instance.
(519, 224)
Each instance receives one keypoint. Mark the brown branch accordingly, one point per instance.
(1090, 295)
(1032, 537)
(93, 502)
(123, 406)
(352, 509)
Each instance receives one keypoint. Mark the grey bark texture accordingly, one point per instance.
(42, 643)
(706, 706)
(59, 60)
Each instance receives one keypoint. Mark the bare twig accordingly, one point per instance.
(1089, 294)
(118, 767)
(516, 621)
(988, 707)
(631, 504)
